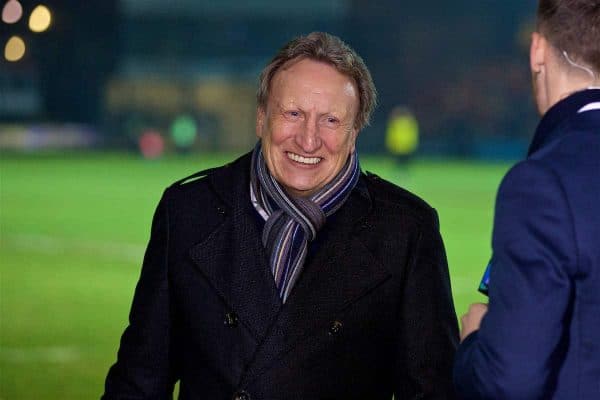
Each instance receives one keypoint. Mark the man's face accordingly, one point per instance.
(307, 129)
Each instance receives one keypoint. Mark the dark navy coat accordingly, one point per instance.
(370, 315)
(541, 336)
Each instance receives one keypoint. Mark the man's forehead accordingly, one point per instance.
(308, 66)
(316, 77)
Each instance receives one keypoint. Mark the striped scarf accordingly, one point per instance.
(292, 222)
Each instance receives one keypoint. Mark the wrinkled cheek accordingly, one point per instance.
(270, 157)
(341, 145)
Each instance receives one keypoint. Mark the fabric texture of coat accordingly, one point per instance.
(540, 338)
(370, 315)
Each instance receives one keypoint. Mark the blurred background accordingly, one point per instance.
(104, 103)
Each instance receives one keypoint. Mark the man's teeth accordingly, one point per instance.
(304, 160)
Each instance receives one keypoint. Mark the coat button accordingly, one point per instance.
(335, 328)
(221, 210)
(230, 319)
(241, 395)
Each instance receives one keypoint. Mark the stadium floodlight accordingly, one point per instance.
(12, 12)
(14, 49)
(40, 19)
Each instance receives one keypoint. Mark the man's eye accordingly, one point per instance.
(332, 121)
(292, 114)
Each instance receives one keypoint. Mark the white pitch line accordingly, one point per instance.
(50, 354)
(56, 245)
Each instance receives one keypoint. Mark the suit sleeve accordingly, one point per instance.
(515, 353)
(143, 368)
(429, 330)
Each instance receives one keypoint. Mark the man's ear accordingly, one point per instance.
(260, 121)
(537, 52)
(354, 134)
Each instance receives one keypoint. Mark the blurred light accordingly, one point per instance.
(14, 49)
(12, 12)
(183, 131)
(40, 19)
(151, 144)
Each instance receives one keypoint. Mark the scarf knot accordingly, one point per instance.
(292, 222)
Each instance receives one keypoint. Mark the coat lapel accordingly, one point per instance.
(341, 272)
(232, 257)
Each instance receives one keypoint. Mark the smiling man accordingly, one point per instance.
(290, 274)
(307, 125)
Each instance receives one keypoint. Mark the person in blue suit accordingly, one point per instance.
(539, 336)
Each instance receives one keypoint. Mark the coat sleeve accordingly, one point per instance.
(429, 329)
(143, 369)
(515, 353)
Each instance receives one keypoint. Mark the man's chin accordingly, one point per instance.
(301, 190)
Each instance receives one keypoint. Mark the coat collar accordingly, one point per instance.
(559, 115)
(232, 183)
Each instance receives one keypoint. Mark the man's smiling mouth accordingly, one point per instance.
(303, 160)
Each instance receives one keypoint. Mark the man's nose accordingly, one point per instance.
(307, 138)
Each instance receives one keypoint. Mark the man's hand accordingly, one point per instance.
(472, 319)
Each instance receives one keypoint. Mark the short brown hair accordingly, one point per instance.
(320, 46)
(572, 26)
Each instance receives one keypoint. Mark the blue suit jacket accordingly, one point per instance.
(541, 336)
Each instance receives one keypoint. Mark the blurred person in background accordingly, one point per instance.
(539, 338)
(402, 135)
(289, 273)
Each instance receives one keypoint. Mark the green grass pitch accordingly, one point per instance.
(72, 235)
